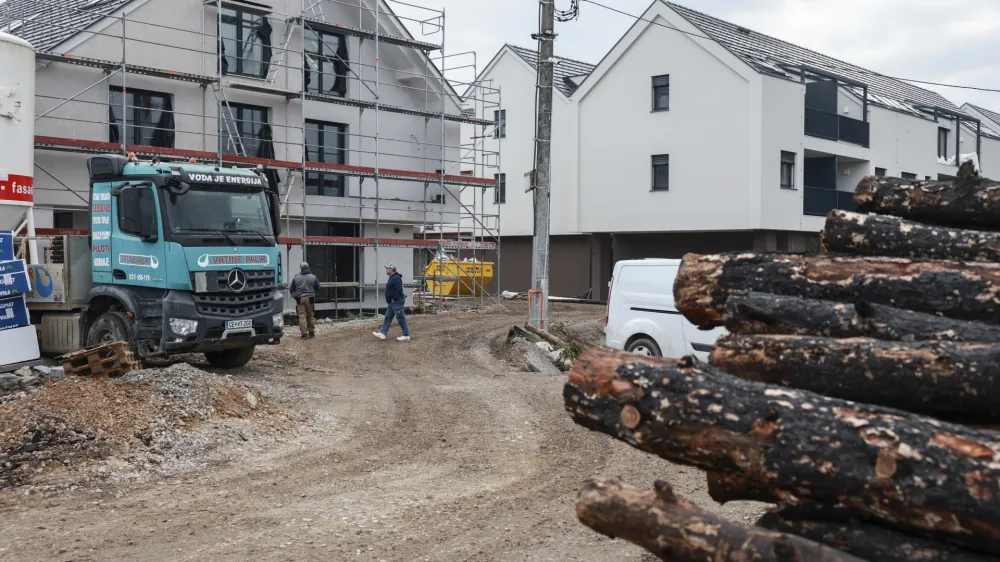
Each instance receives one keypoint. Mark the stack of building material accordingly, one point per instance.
(18, 341)
(852, 391)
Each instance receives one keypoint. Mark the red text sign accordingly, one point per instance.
(17, 189)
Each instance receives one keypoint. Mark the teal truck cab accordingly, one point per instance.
(183, 259)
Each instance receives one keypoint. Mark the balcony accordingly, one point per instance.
(835, 127)
(819, 201)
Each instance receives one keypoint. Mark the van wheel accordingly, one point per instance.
(644, 346)
(230, 358)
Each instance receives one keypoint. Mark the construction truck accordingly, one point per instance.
(179, 258)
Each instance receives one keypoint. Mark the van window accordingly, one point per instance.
(648, 283)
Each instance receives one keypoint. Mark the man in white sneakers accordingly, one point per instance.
(395, 301)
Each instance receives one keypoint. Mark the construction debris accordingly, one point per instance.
(780, 415)
(109, 360)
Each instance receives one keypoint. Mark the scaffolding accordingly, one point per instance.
(310, 50)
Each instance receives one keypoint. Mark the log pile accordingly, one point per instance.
(854, 391)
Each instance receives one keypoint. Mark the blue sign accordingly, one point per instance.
(13, 314)
(6, 245)
(13, 278)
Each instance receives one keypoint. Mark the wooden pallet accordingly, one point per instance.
(110, 360)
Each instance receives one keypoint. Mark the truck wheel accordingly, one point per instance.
(230, 358)
(644, 346)
(110, 327)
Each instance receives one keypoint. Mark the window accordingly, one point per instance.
(909, 176)
(500, 192)
(246, 44)
(62, 219)
(943, 142)
(326, 62)
(500, 117)
(147, 213)
(927, 178)
(150, 117)
(335, 264)
(787, 170)
(326, 142)
(661, 93)
(880, 172)
(250, 122)
(661, 172)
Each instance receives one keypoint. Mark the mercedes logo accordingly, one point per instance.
(237, 280)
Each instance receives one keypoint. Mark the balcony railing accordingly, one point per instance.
(827, 125)
(819, 201)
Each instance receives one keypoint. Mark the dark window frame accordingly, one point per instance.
(655, 167)
(880, 172)
(256, 128)
(315, 181)
(943, 134)
(338, 60)
(345, 261)
(907, 176)
(661, 89)
(500, 191)
(500, 117)
(239, 20)
(149, 214)
(163, 134)
(787, 164)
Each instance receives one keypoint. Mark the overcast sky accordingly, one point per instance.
(933, 40)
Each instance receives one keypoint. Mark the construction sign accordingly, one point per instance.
(13, 278)
(6, 245)
(16, 189)
(13, 314)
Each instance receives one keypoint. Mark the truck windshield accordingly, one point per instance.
(210, 210)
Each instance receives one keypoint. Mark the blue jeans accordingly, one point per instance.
(396, 310)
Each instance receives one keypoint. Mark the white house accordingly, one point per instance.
(697, 135)
(300, 84)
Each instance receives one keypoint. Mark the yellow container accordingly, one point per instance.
(450, 278)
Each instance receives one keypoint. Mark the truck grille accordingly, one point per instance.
(233, 305)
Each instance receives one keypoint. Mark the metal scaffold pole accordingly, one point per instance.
(539, 310)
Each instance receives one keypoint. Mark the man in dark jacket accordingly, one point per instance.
(304, 287)
(395, 301)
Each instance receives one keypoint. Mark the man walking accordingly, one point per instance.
(395, 301)
(303, 289)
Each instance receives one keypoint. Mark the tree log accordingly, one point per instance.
(954, 381)
(675, 530)
(840, 529)
(882, 235)
(969, 201)
(764, 313)
(910, 472)
(726, 487)
(967, 291)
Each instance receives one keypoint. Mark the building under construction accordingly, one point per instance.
(350, 105)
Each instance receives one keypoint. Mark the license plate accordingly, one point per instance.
(239, 324)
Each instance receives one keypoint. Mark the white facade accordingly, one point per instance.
(179, 36)
(724, 133)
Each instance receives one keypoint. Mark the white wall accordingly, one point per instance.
(783, 112)
(706, 133)
(402, 202)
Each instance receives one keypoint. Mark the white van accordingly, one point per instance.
(641, 315)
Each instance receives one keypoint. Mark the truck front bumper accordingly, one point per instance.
(217, 332)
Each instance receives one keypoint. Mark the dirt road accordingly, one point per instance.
(428, 450)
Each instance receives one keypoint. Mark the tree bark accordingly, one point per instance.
(967, 291)
(764, 313)
(675, 530)
(882, 235)
(906, 471)
(969, 201)
(727, 487)
(839, 529)
(955, 381)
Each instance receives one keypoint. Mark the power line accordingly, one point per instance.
(700, 36)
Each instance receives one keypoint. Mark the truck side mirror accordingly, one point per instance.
(137, 213)
(275, 204)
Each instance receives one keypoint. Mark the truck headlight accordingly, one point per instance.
(183, 326)
(278, 321)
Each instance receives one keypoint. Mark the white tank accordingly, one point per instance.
(17, 124)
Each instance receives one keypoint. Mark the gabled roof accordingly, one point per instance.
(768, 55)
(50, 23)
(993, 116)
(568, 73)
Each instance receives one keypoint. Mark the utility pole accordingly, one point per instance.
(539, 297)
